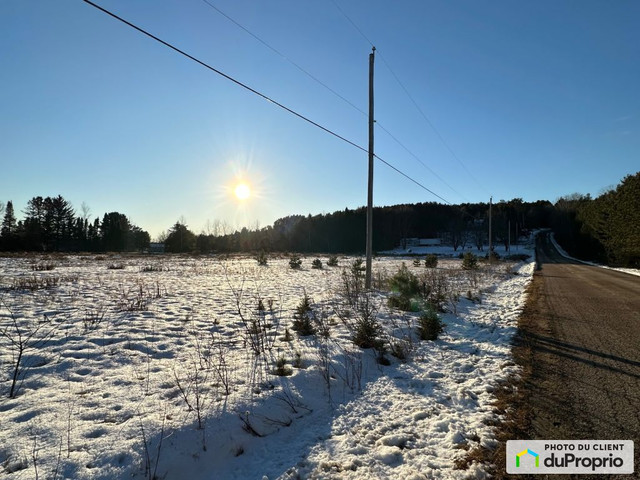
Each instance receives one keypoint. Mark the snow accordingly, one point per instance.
(523, 246)
(562, 251)
(117, 390)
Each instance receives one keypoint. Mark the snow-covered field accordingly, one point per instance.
(139, 366)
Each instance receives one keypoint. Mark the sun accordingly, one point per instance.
(242, 191)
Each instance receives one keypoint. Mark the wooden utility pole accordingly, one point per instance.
(367, 281)
(490, 241)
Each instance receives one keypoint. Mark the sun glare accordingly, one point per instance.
(242, 191)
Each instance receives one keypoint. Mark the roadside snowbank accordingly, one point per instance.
(561, 251)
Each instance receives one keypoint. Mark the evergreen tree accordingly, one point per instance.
(61, 215)
(138, 239)
(180, 239)
(114, 231)
(34, 235)
(9, 223)
(8, 231)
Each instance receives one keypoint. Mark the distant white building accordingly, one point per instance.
(429, 242)
(421, 242)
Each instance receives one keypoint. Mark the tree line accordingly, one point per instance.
(344, 231)
(605, 229)
(51, 225)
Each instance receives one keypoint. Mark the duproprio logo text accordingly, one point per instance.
(569, 460)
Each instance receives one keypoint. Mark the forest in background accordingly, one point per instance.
(604, 229)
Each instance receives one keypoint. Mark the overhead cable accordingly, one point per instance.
(228, 77)
(429, 122)
(273, 49)
(256, 92)
(379, 124)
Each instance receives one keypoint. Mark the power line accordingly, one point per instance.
(314, 78)
(429, 122)
(273, 49)
(413, 180)
(228, 77)
(398, 141)
(256, 92)
(352, 23)
(419, 160)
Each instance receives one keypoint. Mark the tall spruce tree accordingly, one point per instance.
(180, 239)
(8, 240)
(114, 231)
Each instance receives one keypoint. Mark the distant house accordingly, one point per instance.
(429, 242)
(420, 242)
(156, 247)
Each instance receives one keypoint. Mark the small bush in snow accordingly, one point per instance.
(469, 261)
(429, 325)
(261, 258)
(35, 283)
(93, 318)
(431, 261)
(367, 330)
(151, 268)
(493, 256)
(295, 262)
(297, 360)
(416, 262)
(135, 299)
(406, 286)
(282, 369)
(317, 264)
(302, 318)
(436, 287)
(472, 297)
(20, 337)
(357, 268)
(400, 302)
(352, 285)
(322, 323)
(405, 283)
(399, 349)
(43, 266)
(366, 334)
(380, 279)
(287, 335)
(333, 261)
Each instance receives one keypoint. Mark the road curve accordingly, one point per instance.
(581, 328)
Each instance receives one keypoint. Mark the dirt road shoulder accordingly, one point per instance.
(578, 346)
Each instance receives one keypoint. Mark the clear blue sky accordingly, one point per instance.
(536, 100)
